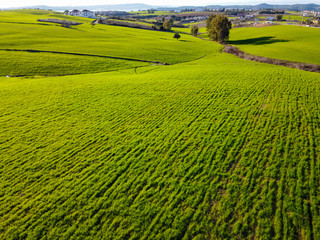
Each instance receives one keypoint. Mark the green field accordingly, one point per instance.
(49, 64)
(295, 18)
(156, 13)
(102, 40)
(211, 147)
(293, 43)
(133, 21)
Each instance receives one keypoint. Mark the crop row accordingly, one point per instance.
(179, 155)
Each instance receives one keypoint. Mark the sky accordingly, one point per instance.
(25, 3)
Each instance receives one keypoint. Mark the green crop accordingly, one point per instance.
(295, 17)
(98, 40)
(50, 64)
(293, 43)
(210, 148)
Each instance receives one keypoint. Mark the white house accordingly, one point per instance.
(249, 17)
(83, 13)
(74, 12)
(271, 18)
(87, 13)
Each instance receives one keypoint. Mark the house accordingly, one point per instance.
(87, 13)
(74, 12)
(83, 13)
(307, 13)
(270, 18)
(249, 16)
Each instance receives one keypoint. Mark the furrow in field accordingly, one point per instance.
(82, 54)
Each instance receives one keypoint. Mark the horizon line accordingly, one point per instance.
(203, 5)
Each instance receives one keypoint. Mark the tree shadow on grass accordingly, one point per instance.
(257, 41)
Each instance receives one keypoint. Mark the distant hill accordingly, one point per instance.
(120, 7)
(300, 7)
(141, 6)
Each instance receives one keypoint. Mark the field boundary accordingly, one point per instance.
(83, 54)
(301, 66)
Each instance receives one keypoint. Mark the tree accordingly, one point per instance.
(279, 17)
(194, 30)
(177, 36)
(309, 22)
(172, 18)
(218, 27)
(167, 25)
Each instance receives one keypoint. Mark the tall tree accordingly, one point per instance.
(218, 27)
(194, 30)
(167, 25)
(279, 17)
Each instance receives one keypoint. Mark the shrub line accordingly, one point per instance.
(301, 66)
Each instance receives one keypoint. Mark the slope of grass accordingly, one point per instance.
(295, 17)
(49, 64)
(27, 16)
(216, 148)
(100, 39)
(133, 21)
(291, 43)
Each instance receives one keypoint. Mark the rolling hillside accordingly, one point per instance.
(293, 43)
(99, 41)
(210, 147)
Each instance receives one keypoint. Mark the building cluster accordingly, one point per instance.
(196, 18)
(113, 13)
(311, 13)
(80, 13)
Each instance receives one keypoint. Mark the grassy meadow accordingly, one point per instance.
(101, 40)
(210, 147)
(55, 64)
(293, 43)
(295, 17)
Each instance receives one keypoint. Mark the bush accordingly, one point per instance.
(177, 36)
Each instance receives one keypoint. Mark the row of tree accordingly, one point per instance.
(165, 26)
(218, 28)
